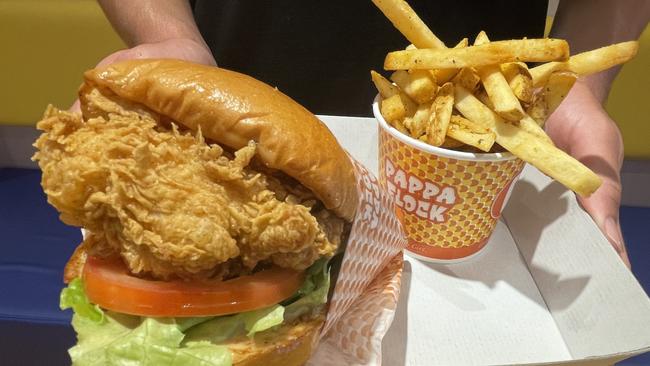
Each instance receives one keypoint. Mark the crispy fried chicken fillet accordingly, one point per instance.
(171, 205)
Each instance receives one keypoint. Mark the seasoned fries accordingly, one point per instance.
(409, 23)
(468, 78)
(589, 62)
(387, 90)
(444, 75)
(533, 50)
(503, 99)
(558, 86)
(530, 125)
(470, 133)
(440, 115)
(417, 124)
(518, 77)
(537, 109)
(418, 84)
(549, 159)
(392, 108)
(484, 96)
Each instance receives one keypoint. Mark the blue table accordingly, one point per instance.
(35, 246)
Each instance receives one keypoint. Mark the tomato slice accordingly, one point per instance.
(109, 285)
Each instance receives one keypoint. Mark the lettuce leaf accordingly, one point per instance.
(74, 297)
(222, 328)
(316, 288)
(114, 339)
(262, 319)
(108, 338)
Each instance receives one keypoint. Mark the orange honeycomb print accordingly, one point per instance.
(448, 207)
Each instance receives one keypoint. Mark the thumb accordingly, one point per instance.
(603, 207)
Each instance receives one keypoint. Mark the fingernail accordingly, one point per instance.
(613, 233)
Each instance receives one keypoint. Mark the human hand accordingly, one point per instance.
(179, 48)
(582, 128)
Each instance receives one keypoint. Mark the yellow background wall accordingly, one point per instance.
(629, 102)
(47, 44)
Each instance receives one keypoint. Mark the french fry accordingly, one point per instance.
(409, 23)
(503, 99)
(451, 143)
(430, 73)
(518, 77)
(462, 43)
(386, 89)
(399, 126)
(417, 124)
(481, 38)
(558, 86)
(537, 109)
(481, 95)
(470, 133)
(444, 75)
(440, 114)
(527, 123)
(418, 84)
(530, 125)
(534, 50)
(392, 109)
(589, 62)
(467, 77)
(545, 157)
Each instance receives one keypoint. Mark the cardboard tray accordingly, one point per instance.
(548, 289)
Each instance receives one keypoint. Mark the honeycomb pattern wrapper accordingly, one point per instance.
(367, 289)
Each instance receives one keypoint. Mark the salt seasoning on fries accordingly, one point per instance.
(501, 95)
(527, 50)
(417, 84)
(558, 86)
(498, 102)
(441, 109)
(587, 63)
(520, 80)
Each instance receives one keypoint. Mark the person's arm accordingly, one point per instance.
(580, 125)
(156, 28)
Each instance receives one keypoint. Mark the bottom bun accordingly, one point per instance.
(289, 345)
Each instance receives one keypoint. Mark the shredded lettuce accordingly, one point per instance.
(109, 338)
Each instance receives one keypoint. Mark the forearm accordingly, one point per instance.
(150, 21)
(589, 24)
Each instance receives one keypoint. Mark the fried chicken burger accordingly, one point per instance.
(211, 204)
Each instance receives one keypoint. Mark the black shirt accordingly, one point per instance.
(320, 52)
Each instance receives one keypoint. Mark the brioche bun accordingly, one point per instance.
(232, 109)
(289, 345)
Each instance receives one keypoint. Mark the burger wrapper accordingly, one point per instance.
(367, 289)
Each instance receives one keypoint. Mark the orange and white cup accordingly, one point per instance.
(447, 201)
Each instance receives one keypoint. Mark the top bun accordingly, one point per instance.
(232, 109)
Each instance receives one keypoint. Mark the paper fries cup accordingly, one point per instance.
(448, 201)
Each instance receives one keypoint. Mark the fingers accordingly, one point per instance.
(184, 49)
(76, 107)
(603, 207)
(581, 127)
